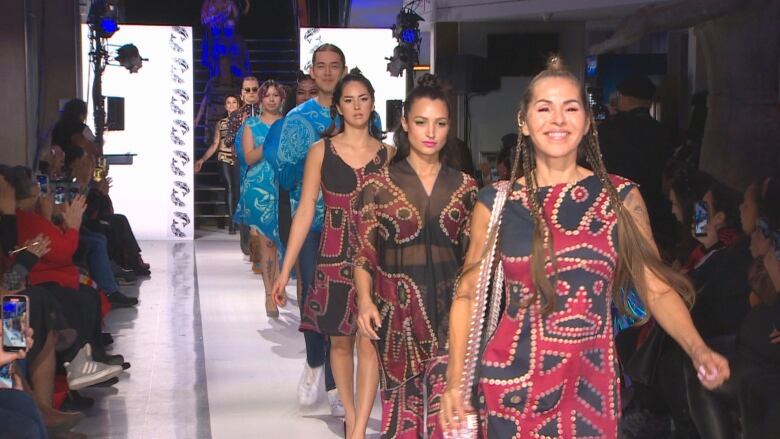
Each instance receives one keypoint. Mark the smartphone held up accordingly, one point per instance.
(15, 323)
(700, 218)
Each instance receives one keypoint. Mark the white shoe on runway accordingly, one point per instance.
(336, 406)
(309, 385)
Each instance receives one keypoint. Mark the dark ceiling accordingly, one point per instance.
(266, 18)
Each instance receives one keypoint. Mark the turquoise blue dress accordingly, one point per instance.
(258, 203)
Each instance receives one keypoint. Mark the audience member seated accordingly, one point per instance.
(758, 360)
(71, 132)
(86, 360)
(100, 217)
(720, 276)
(44, 317)
(19, 417)
(717, 266)
(93, 244)
(755, 378)
(687, 187)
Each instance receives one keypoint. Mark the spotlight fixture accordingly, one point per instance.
(407, 26)
(128, 57)
(102, 18)
(406, 31)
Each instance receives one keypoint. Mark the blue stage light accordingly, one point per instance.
(409, 36)
(108, 26)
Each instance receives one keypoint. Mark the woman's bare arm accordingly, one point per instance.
(252, 155)
(304, 214)
(669, 309)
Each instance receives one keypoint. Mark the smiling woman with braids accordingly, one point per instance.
(570, 240)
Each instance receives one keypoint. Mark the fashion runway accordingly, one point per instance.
(206, 361)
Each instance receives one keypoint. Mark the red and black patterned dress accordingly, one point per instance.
(330, 305)
(555, 375)
(413, 244)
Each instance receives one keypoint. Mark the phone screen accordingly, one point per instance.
(700, 218)
(43, 183)
(60, 193)
(73, 192)
(6, 379)
(14, 323)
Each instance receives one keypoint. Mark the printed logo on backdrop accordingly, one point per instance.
(181, 139)
(313, 38)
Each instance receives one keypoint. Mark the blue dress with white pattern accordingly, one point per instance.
(258, 203)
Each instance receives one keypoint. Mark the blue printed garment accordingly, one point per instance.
(303, 126)
(636, 311)
(258, 202)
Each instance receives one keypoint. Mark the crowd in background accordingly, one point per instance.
(67, 250)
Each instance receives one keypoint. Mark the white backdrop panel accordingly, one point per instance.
(365, 49)
(156, 192)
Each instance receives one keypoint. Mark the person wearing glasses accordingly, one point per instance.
(250, 97)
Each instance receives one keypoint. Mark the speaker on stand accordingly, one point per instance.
(393, 113)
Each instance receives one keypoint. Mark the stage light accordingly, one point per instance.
(401, 59)
(407, 26)
(102, 18)
(409, 36)
(129, 58)
(109, 26)
(406, 31)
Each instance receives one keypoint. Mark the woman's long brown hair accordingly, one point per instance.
(635, 256)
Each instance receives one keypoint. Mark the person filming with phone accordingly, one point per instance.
(19, 417)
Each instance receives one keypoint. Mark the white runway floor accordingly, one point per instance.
(206, 361)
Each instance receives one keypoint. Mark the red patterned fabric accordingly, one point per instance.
(413, 244)
(555, 375)
(330, 305)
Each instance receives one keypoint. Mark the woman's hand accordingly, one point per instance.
(74, 212)
(7, 357)
(198, 165)
(453, 411)
(712, 368)
(279, 293)
(368, 318)
(104, 186)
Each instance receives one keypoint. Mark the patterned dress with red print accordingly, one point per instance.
(555, 375)
(330, 305)
(413, 244)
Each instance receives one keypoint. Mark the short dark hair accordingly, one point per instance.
(689, 186)
(19, 178)
(73, 110)
(726, 200)
(72, 153)
(638, 87)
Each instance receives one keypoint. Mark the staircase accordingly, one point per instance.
(270, 58)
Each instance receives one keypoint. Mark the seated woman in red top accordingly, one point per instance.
(56, 273)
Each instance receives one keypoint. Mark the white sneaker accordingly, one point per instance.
(83, 371)
(309, 385)
(336, 406)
